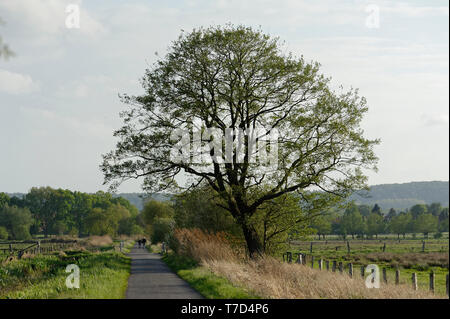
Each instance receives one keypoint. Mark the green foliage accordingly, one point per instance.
(154, 209)
(323, 224)
(418, 210)
(352, 222)
(106, 221)
(198, 209)
(4, 200)
(437, 235)
(426, 223)
(162, 230)
(58, 211)
(204, 281)
(283, 219)
(128, 226)
(3, 233)
(375, 224)
(16, 221)
(400, 224)
(103, 275)
(434, 209)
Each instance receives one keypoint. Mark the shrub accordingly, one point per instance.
(3, 233)
(437, 235)
(162, 230)
(202, 246)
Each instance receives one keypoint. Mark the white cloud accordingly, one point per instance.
(435, 119)
(16, 83)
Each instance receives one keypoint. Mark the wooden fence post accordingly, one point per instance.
(362, 271)
(348, 246)
(304, 259)
(423, 245)
(320, 263)
(414, 280)
(341, 267)
(350, 270)
(333, 268)
(289, 257)
(446, 284)
(312, 261)
(327, 265)
(299, 259)
(384, 247)
(385, 276)
(397, 277)
(311, 248)
(432, 281)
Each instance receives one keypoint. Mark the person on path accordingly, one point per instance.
(139, 243)
(143, 242)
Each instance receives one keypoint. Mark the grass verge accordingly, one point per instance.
(103, 275)
(204, 281)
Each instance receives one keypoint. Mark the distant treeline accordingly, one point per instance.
(364, 220)
(50, 211)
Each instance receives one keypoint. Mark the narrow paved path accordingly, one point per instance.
(151, 278)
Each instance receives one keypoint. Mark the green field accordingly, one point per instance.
(104, 274)
(405, 255)
(204, 281)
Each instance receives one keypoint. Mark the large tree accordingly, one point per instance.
(235, 77)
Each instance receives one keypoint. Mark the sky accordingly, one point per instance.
(59, 100)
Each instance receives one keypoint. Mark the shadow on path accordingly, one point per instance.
(151, 278)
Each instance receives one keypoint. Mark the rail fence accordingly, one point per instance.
(17, 249)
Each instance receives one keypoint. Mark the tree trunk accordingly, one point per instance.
(253, 241)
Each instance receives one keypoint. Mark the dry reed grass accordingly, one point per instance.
(100, 240)
(270, 278)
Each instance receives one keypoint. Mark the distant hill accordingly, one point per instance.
(138, 199)
(402, 196)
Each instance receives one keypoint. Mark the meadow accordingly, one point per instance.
(270, 277)
(406, 255)
(104, 272)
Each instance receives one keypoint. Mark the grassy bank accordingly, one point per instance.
(269, 277)
(103, 274)
(204, 281)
